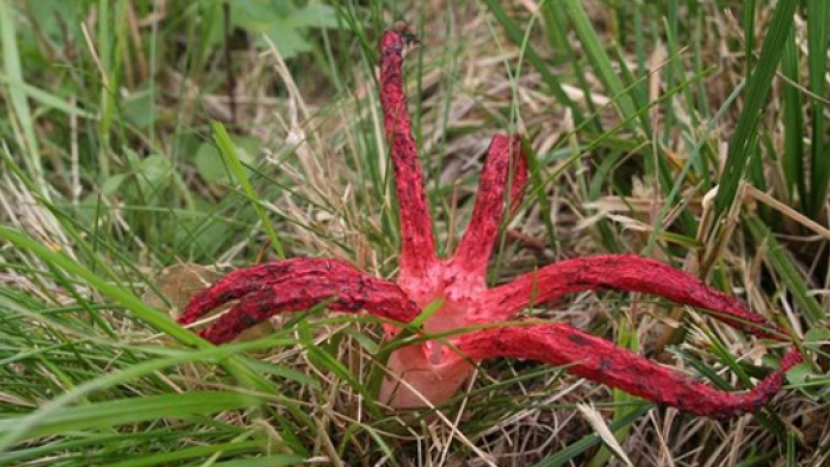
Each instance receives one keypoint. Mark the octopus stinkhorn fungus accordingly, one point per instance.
(432, 371)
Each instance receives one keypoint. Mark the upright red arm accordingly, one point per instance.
(503, 158)
(417, 242)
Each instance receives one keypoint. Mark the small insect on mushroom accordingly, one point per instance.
(431, 372)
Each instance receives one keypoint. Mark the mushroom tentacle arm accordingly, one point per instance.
(601, 361)
(621, 272)
(247, 280)
(417, 242)
(294, 285)
(503, 158)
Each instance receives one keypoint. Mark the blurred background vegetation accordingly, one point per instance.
(148, 146)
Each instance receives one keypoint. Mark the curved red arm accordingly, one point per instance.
(599, 360)
(292, 285)
(621, 272)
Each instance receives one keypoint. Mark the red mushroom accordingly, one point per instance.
(432, 371)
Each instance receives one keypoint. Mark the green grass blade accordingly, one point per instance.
(144, 312)
(165, 458)
(19, 101)
(228, 151)
(758, 89)
(516, 35)
(574, 450)
(793, 156)
(599, 59)
(45, 98)
(783, 264)
(45, 415)
(818, 16)
(149, 315)
(274, 460)
(138, 409)
(623, 98)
